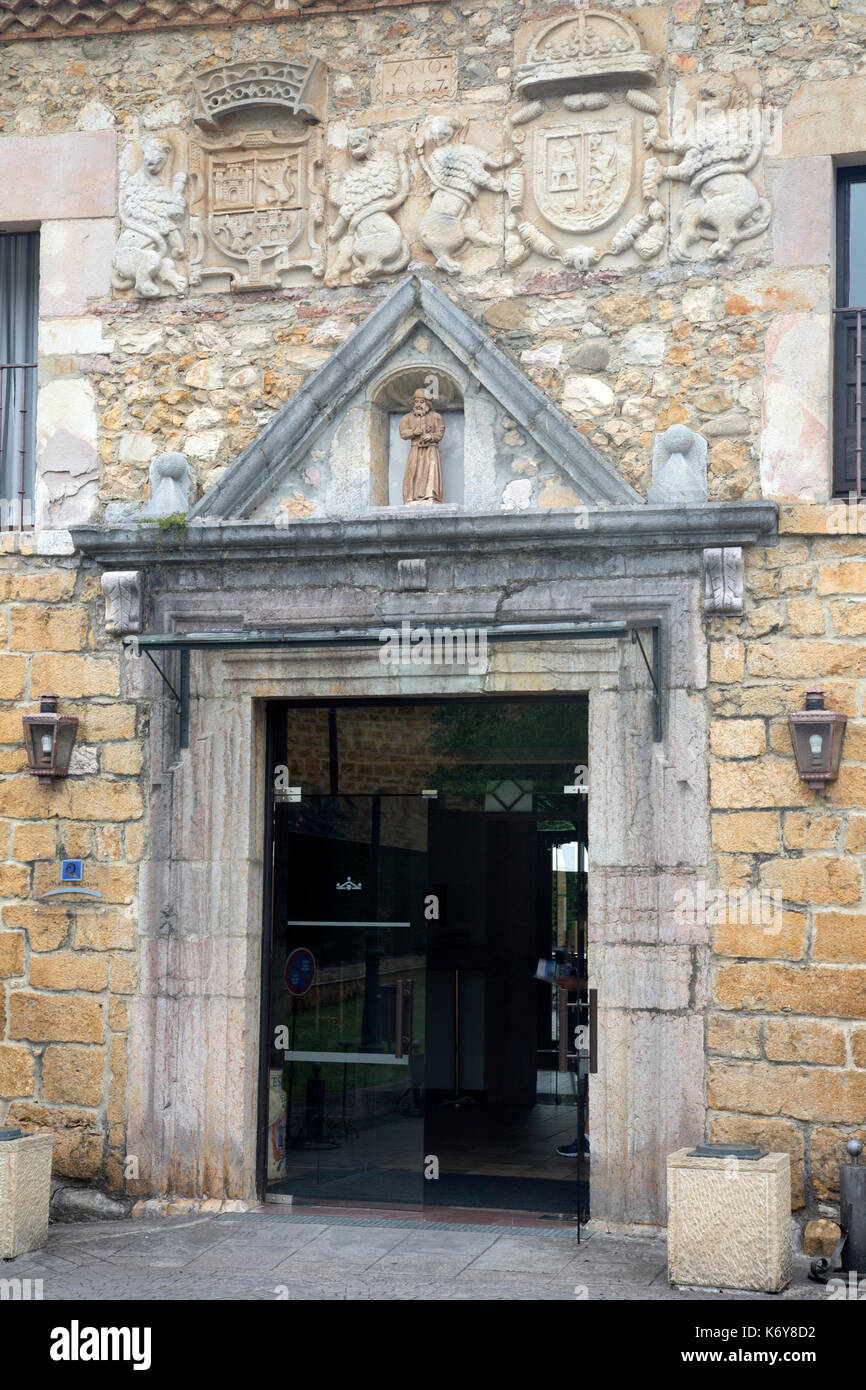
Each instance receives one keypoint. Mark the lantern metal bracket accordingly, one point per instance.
(185, 642)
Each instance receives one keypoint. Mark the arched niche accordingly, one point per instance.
(390, 397)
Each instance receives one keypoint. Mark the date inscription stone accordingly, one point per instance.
(402, 79)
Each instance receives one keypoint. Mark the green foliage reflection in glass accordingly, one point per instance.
(480, 744)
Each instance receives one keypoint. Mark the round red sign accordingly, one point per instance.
(300, 970)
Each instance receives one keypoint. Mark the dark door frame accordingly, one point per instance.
(276, 753)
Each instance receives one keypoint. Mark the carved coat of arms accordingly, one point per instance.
(583, 186)
(256, 206)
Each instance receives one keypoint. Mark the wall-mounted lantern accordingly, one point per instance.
(49, 738)
(817, 736)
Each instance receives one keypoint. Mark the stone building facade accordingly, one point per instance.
(607, 236)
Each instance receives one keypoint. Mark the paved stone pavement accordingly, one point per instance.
(308, 1256)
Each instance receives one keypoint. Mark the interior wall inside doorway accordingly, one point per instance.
(467, 749)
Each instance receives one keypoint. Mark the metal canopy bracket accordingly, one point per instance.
(181, 697)
(186, 642)
(655, 675)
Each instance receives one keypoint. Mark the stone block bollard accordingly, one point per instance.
(25, 1191)
(729, 1218)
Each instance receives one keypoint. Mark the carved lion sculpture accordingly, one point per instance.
(458, 173)
(371, 243)
(716, 162)
(150, 216)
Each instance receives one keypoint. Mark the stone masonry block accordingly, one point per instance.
(729, 1225)
(45, 1018)
(25, 1191)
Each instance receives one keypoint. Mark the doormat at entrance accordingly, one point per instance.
(510, 1194)
(398, 1188)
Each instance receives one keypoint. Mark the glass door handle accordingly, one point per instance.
(562, 1029)
(403, 1000)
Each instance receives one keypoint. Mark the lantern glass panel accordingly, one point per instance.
(65, 741)
(42, 743)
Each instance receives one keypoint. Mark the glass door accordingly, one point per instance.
(347, 999)
(509, 1023)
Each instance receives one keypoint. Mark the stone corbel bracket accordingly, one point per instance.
(123, 595)
(723, 580)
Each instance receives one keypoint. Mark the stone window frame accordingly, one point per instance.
(65, 185)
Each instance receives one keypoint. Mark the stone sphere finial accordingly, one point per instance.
(855, 1148)
(677, 439)
(679, 475)
(170, 466)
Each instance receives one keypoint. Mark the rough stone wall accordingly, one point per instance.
(739, 350)
(625, 351)
(67, 972)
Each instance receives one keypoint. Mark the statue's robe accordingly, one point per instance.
(422, 481)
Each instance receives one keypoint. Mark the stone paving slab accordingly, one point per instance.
(259, 1256)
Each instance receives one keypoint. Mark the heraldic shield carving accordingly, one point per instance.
(257, 204)
(582, 173)
(581, 139)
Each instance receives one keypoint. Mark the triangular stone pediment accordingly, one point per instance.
(326, 452)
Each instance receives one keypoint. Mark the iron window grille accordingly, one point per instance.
(849, 332)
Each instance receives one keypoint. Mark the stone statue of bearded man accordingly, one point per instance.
(422, 481)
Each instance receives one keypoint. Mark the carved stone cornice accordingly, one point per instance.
(627, 528)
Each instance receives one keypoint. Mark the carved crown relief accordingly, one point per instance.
(592, 47)
(237, 86)
(257, 200)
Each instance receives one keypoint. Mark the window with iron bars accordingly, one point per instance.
(19, 321)
(849, 468)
